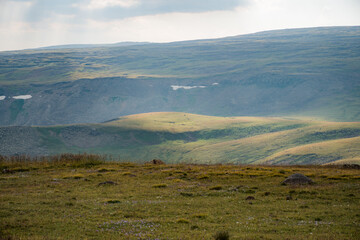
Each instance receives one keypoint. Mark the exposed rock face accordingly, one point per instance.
(297, 179)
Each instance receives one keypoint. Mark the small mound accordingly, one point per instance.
(297, 179)
(156, 162)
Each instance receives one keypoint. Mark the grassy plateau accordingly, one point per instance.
(85, 197)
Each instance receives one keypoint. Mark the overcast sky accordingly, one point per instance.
(38, 23)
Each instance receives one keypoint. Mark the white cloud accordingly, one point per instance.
(13, 11)
(278, 14)
(150, 7)
(13, 26)
(258, 16)
(76, 26)
(100, 4)
(167, 27)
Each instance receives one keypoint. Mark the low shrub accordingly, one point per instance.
(203, 177)
(200, 215)
(222, 235)
(113, 201)
(186, 194)
(162, 185)
(218, 187)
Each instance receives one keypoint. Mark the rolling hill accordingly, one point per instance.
(310, 72)
(190, 138)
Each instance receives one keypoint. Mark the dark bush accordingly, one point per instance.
(222, 235)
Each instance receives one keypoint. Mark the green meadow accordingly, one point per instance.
(85, 197)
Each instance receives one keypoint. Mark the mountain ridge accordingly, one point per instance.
(131, 43)
(301, 72)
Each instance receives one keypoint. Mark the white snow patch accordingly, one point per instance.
(215, 83)
(176, 87)
(2, 97)
(22, 97)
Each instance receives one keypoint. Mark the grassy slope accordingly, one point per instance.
(257, 148)
(345, 149)
(184, 122)
(184, 137)
(249, 139)
(62, 200)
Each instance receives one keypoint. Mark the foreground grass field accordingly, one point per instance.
(92, 199)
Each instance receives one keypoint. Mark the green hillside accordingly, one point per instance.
(309, 72)
(183, 137)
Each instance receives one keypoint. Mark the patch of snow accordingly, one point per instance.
(2, 97)
(215, 83)
(176, 87)
(22, 97)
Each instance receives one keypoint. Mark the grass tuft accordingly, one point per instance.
(183, 220)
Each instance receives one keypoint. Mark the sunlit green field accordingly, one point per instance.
(177, 137)
(63, 200)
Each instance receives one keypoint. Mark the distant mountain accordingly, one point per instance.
(183, 137)
(312, 72)
(72, 46)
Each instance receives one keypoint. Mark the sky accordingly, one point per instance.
(38, 23)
